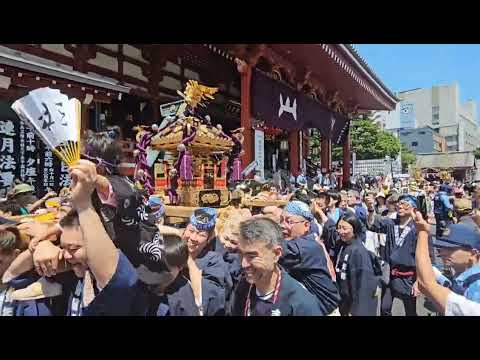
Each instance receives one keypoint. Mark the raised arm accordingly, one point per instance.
(32, 207)
(103, 186)
(319, 213)
(170, 230)
(51, 234)
(376, 223)
(101, 252)
(22, 264)
(426, 278)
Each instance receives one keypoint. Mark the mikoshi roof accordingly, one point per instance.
(207, 138)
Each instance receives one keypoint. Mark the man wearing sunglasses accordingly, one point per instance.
(305, 257)
(399, 253)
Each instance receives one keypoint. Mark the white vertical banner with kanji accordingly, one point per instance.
(30, 155)
(260, 152)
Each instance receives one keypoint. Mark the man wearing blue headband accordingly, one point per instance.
(207, 271)
(157, 209)
(399, 253)
(305, 257)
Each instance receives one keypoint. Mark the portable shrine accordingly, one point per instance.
(194, 169)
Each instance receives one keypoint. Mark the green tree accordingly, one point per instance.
(337, 153)
(371, 142)
(368, 142)
(408, 158)
(476, 153)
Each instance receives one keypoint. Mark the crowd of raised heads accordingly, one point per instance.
(102, 247)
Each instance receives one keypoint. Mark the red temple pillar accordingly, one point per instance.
(293, 154)
(306, 145)
(246, 116)
(325, 153)
(346, 161)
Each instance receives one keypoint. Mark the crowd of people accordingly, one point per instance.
(101, 247)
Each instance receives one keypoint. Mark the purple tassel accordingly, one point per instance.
(186, 172)
(142, 164)
(236, 167)
(237, 170)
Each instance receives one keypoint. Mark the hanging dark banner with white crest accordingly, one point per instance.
(281, 106)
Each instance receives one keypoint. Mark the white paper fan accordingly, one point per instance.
(55, 118)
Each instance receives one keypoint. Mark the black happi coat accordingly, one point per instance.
(356, 279)
(179, 299)
(306, 261)
(215, 278)
(128, 225)
(293, 299)
(232, 261)
(399, 253)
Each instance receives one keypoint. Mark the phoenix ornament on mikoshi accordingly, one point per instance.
(195, 93)
(55, 118)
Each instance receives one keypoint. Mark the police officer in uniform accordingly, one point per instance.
(459, 245)
(442, 208)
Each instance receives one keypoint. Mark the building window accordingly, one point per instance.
(414, 143)
(435, 115)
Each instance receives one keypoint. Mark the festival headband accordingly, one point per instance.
(203, 219)
(299, 208)
(155, 201)
(412, 200)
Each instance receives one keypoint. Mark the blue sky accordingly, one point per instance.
(404, 67)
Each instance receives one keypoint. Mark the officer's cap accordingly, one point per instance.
(458, 236)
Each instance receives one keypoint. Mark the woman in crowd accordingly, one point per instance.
(333, 210)
(380, 207)
(354, 268)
